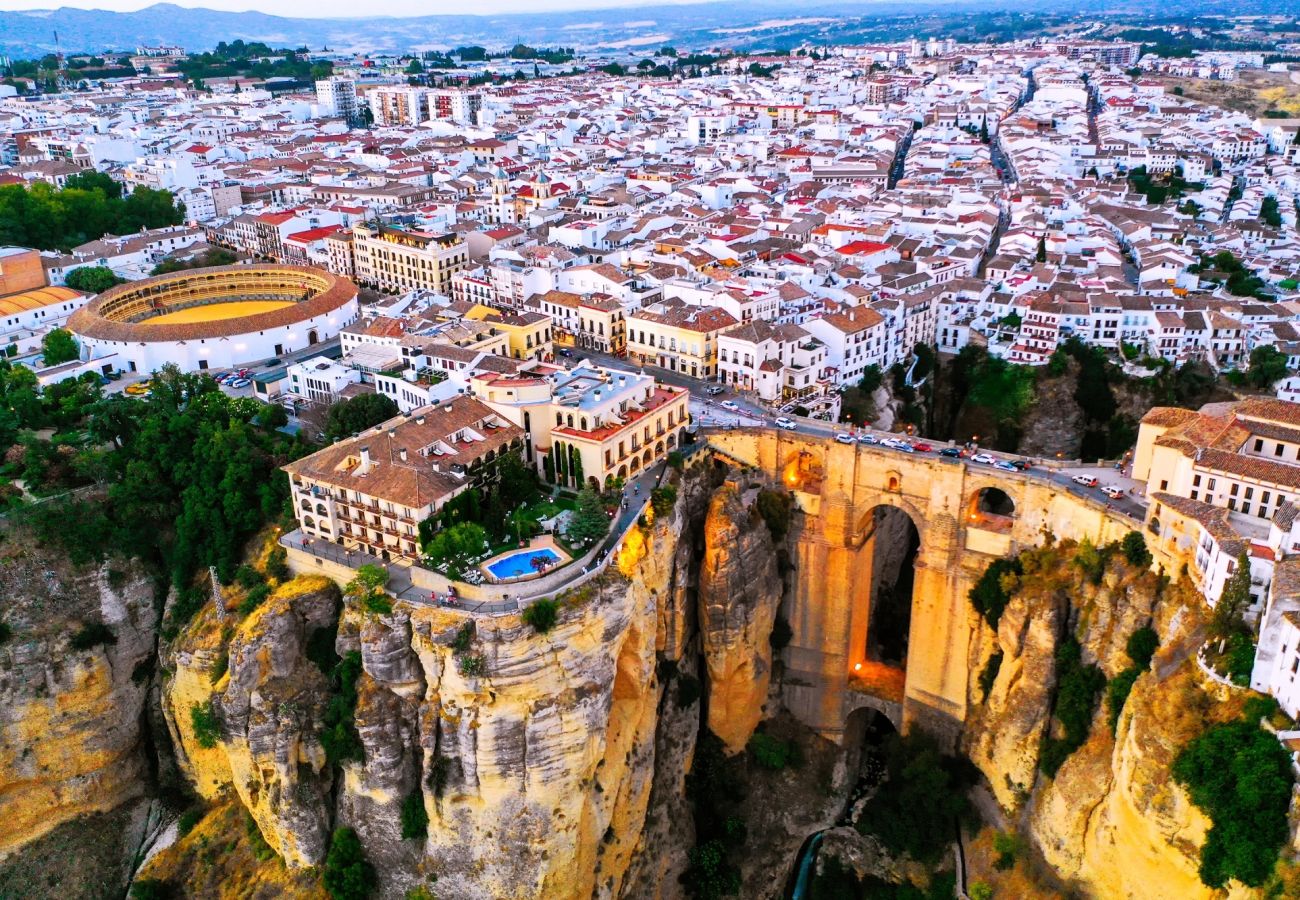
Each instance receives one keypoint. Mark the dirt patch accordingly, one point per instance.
(1254, 92)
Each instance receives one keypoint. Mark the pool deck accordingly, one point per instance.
(541, 542)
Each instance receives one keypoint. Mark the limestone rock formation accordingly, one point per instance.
(71, 741)
(739, 593)
(1112, 822)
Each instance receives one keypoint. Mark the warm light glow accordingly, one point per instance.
(857, 667)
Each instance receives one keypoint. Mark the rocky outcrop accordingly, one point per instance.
(71, 738)
(271, 705)
(1112, 822)
(739, 592)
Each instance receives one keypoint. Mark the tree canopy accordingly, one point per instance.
(91, 279)
(90, 206)
(352, 416)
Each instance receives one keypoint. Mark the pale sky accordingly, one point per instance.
(329, 8)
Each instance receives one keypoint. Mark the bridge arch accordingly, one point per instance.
(887, 540)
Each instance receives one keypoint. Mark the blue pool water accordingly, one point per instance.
(521, 563)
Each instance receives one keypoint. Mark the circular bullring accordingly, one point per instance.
(214, 318)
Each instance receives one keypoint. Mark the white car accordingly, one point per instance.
(1085, 480)
(729, 405)
(986, 458)
(1112, 492)
(868, 439)
(844, 438)
(787, 424)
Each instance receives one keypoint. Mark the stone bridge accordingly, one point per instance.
(965, 517)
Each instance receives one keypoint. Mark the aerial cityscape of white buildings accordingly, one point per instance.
(777, 235)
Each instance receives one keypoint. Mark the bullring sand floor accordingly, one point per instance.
(213, 312)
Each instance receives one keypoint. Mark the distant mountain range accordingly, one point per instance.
(750, 24)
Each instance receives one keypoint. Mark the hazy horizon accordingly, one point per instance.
(321, 9)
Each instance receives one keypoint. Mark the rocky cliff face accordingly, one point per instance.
(532, 754)
(71, 738)
(1111, 823)
(739, 592)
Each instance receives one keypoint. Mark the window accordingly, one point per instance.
(1196, 481)
(1277, 451)
(1233, 491)
(1259, 445)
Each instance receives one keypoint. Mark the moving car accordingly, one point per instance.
(729, 405)
(715, 390)
(787, 424)
(564, 352)
(1112, 492)
(1085, 480)
(1006, 466)
(951, 452)
(843, 438)
(868, 439)
(987, 458)
(922, 447)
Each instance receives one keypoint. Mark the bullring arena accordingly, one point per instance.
(214, 318)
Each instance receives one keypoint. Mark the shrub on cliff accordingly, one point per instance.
(203, 719)
(152, 889)
(542, 615)
(415, 818)
(1240, 776)
(1077, 690)
(775, 508)
(992, 592)
(772, 753)
(1141, 647)
(339, 736)
(347, 874)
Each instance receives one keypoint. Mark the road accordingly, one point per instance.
(708, 413)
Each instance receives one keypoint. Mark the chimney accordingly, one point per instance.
(419, 420)
(402, 454)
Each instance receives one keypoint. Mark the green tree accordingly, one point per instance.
(1241, 777)
(1041, 255)
(367, 588)
(589, 521)
(1268, 212)
(1228, 616)
(59, 346)
(1267, 366)
(272, 416)
(1134, 547)
(91, 279)
(922, 787)
(355, 415)
(347, 874)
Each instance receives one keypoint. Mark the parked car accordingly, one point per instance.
(842, 438)
(1112, 492)
(986, 458)
(1085, 480)
(868, 439)
(715, 390)
(241, 383)
(787, 424)
(951, 452)
(275, 362)
(729, 405)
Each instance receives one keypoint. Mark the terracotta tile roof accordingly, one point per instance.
(425, 477)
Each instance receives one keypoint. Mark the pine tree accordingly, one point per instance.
(589, 522)
(1042, 248)
(1228, 616)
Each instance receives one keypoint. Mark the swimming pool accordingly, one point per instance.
(521, 563)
